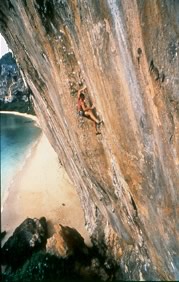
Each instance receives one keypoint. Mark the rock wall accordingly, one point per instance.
(126, 52)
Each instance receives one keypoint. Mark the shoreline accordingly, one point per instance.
(29, 152)
(20, 114)
(42, 188)
(34, 118)
(27, 157)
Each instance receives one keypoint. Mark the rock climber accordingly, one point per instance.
(86, 111)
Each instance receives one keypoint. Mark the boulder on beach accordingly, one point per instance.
(66, 241)
(28, 237)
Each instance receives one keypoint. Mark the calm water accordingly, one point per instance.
(18, 134)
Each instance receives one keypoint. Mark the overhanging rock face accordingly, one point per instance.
(126, 52)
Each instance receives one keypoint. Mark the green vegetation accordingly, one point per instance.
(17, 106)
(47, 268)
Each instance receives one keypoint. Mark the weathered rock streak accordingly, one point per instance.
(126, 52)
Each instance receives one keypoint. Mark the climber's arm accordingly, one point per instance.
(80, 90)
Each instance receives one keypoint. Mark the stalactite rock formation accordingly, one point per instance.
(127, 177)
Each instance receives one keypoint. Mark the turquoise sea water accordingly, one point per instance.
(18, 134)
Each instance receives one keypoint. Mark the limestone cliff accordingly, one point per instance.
(14, 94)
(126, 52)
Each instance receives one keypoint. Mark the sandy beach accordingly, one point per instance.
(42, 188)
(20, 114)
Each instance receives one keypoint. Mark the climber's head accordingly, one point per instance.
(82, 96)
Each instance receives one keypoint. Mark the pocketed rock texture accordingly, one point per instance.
(126, 52)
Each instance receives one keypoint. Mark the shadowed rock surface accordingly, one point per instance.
(3, 234)
(29, 237)
(64, 258)
(47, 268)
(126, 52)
